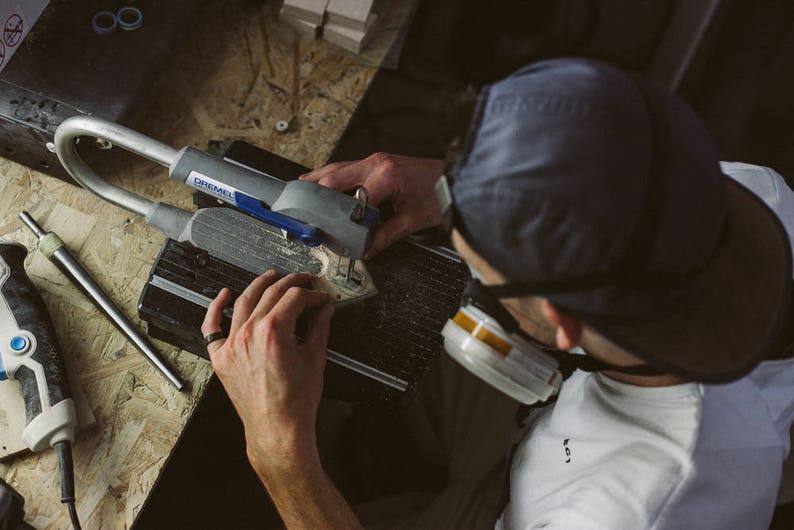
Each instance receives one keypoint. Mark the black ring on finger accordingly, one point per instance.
(212, 337)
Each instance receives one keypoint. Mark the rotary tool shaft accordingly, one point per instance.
(55, 250)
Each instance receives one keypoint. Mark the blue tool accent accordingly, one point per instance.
(19, 343)
(308, 234)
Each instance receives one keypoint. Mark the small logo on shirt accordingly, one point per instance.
(567, 450)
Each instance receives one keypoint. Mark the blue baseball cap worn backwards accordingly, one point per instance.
(602, 192)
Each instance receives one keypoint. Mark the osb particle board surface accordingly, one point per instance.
(236, 85)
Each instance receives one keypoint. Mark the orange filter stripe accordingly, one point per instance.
(491, 339)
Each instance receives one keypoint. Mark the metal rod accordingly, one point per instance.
(53, 248)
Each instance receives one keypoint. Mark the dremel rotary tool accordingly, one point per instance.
(379, 346)
(29, 353)
(304, 211)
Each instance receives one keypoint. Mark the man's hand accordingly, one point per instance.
(274, 381)
(406, 181)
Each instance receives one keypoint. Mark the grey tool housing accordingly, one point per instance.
(337, 215)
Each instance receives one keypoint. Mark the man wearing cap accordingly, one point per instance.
(591, 208)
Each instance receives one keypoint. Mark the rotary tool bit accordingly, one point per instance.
(55, 250)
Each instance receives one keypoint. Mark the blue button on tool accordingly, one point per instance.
(19, 343)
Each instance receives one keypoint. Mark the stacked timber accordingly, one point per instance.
(346, 23)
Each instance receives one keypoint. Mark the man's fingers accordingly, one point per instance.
(346, 177)
(392, 231)
(380, 190)
(294, 302)
(320, 328)
(214, 317)
(317, 174)
(297, 301)
(276, 291)
(248, 299)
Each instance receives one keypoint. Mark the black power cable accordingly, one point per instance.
(66, 466)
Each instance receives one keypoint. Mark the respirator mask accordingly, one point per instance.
(486, 339)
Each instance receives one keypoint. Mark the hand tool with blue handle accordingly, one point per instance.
(29, 353)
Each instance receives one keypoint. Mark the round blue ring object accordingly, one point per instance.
(104, 23)
(133, 22)
(19, 343)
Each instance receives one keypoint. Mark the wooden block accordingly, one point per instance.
(361, 287)
(350, 13)
(312, 11)
(348, 38)
(307, 29)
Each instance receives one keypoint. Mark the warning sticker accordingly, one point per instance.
(16, 21)
(12, 30)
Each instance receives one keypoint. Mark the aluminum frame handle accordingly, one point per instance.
(66, 149)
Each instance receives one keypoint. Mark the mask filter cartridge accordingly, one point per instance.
(507, 362)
